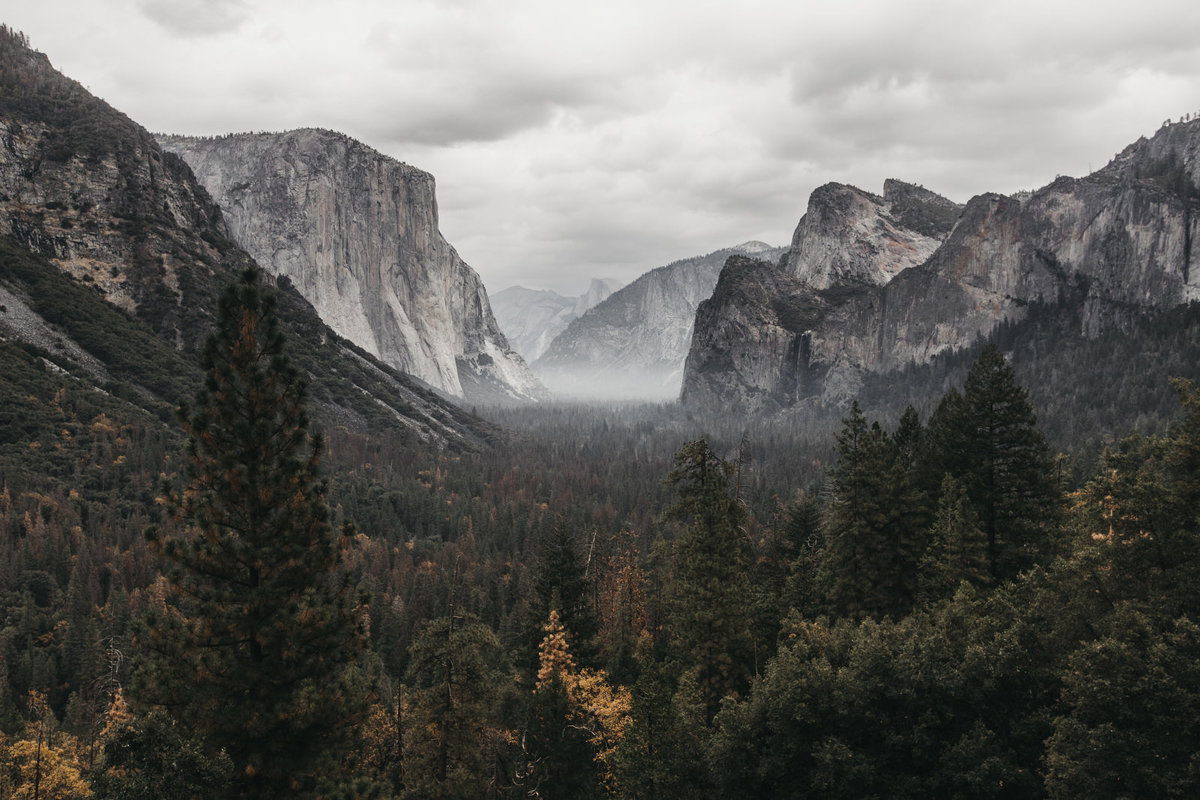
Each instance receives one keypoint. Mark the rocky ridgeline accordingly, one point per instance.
(357, 234)
(863, 291)
(531, 318)
(86, 191)
(634, 343)
(849, 237)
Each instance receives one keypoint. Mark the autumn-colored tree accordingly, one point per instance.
(38, 765)
(578, 720)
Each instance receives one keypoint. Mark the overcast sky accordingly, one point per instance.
(574, 140)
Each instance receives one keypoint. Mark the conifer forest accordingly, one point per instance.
(622, 602)
(243, 558)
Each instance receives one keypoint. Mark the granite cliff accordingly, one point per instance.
(1117, 243)
(634, 343)
(849, 237)
(357, 234)
(531, 318)
(112, 255)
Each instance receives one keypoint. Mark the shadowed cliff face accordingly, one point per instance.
(357, 234)
(1120, 242)
(633, 344)
(752, 339)
(87, 192)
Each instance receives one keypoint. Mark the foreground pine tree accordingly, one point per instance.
(254, 642)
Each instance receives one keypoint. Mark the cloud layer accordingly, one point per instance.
(572, 141)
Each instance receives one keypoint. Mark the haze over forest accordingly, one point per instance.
(283, 513)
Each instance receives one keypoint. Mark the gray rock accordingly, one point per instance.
(357, 234)
(634, 343)
(531, 318)
(1119, 243)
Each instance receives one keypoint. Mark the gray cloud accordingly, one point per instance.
(196, 17)
(572, 140)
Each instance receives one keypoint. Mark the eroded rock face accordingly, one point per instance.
(357, 233)
(1118, 243)
(91, 192)
(634, 343)
(849, 237)
(752, 340)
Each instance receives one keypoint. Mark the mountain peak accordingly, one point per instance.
(357, 233)
(851, 237)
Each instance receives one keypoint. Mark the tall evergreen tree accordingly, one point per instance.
(712, 627)
(1006, 465)
(254, 642)
(450, 738)
(873, 531)
(957, 549)
(560, 584)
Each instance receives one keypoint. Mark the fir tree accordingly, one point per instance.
(453, 687)
(1006, 465)
(712, 626)
(873, 531)
(958, 548)
(255, 642)
(560, 584)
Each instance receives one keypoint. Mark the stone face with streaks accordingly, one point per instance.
(357, 234)
(86, 191)
(1120, 242)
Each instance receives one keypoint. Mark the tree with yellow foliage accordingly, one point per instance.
(576, 722)
(35, 766)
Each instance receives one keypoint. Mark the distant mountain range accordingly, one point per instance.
(633, 344)
(531, 318)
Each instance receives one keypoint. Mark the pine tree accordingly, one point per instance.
(958, 547)
(712, 627)
(453, 686)
(1006, 465)
(873, 532)
(560, 584)
(255, 645)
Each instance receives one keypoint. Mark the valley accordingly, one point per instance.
(290, 507)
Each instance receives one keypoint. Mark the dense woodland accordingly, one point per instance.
(980, 579)
(622, 601)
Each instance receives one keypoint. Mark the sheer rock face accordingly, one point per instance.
(531, 318)
(357, 233)
(850, 237)
(750, 349)
(90, 190)
(634, 343)
(1120, 242)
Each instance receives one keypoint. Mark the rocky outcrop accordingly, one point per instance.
(752, 342)
(87, 193)
(357, 234)
(1117, 243)
(634, 343)
(849, 237)
(531, 318)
